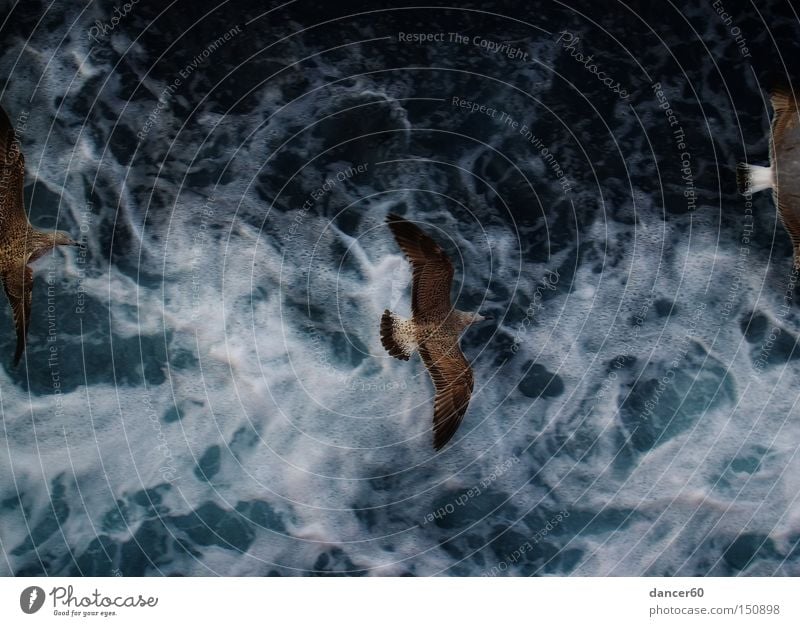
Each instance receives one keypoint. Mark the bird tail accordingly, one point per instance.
(753, 178)
(395, 336)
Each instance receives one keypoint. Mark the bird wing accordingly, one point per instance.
(12, 174)
(453, 380)
(18, 284)
(432, 269)
(784, 110)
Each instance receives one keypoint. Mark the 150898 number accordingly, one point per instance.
(762, 609)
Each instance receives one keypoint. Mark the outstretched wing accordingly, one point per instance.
(453, 380)
(12, 175)
(432, 269)
(18, 283)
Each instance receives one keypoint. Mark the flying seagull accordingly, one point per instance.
(434, 328)
(20, 243)
(783, 173)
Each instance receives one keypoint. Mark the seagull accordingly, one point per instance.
(434, 328)
(20, 243)
(783, 173)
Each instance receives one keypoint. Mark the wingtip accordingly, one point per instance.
(443, 434)
(20, 350)
(440, 441)
(5, 120)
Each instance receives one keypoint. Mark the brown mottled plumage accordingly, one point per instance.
(783, 174)
(20, 243)
(434, 328)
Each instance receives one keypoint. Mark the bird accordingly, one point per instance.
(20, 243)
(434, 329)
(783, 173)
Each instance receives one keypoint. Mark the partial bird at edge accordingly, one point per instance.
(20, 242)
(782, 174)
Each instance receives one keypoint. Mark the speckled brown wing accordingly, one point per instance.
(12, 178)
(432, 269)
(18, 283)
(453, 380)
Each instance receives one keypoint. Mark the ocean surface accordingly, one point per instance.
(204, 390)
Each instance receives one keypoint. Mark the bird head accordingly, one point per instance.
(61, 238)
(45, 241)
(477, 317)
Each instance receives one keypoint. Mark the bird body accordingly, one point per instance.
(434, 329)
(20, 243)
(783, 173)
